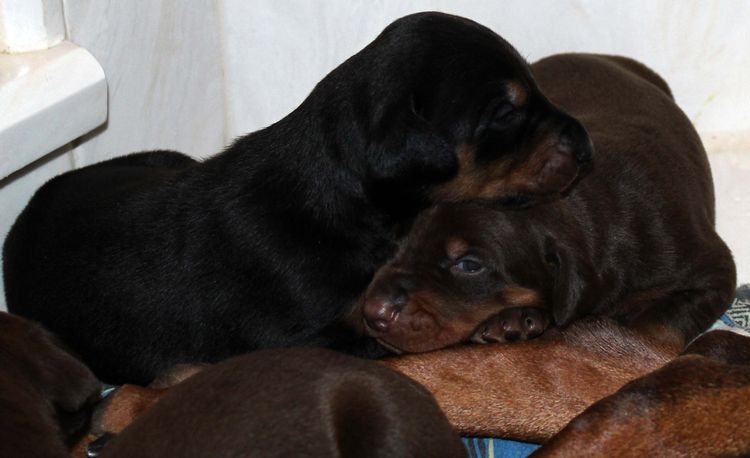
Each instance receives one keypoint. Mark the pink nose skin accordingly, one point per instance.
(380, 311)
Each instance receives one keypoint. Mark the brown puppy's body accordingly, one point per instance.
(44, 392)
(697, 405)
(306, 402)
(530, 390)
(634, 240)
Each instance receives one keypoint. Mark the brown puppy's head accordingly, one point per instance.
(460, 267)
(447, 110)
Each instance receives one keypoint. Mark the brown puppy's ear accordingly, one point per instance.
(574, 281)
(406, 148)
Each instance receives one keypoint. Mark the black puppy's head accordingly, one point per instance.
(460, 266)
(446, 110)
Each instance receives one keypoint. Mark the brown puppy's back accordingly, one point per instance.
(306, 402)
(646, 211)
(633, 126)
(530, 390)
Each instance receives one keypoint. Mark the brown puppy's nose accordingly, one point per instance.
(382, 307)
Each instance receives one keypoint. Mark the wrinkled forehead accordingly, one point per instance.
(450, 230)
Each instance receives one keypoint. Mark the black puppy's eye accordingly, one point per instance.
(504, 115)
(499, 116)
(467, 266)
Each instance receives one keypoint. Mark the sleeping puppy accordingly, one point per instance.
(153, 259)
(292, 402)
(634, 240)
(45, 393)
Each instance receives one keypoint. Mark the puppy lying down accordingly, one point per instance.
(633, 240)
(152, 259)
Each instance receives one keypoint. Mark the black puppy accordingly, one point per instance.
(153, 259)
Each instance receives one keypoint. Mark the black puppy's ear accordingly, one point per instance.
(575, 280)
(406, 148)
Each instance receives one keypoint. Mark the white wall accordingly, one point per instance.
(193, 75)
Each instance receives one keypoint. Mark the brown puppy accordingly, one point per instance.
(697, 405)
(45, 393)
(306, 402)
(634, 240)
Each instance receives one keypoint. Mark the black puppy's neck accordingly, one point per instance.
(314, 178)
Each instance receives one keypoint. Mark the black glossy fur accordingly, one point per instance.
(153, 259)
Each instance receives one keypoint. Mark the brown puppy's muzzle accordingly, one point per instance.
(383, 305)
(398, 317)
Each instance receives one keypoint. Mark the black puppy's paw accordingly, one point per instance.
(512, 324)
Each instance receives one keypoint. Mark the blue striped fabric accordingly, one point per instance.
(489, 447)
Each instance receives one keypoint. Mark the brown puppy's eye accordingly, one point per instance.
(467, 266)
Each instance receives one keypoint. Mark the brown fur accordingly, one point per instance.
(308, 402)
(633, 240)
(697, 405)
(45, 393)
(531, 390)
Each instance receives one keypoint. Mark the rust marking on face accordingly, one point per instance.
(517, 296)
(517, 93)
(455, 247)
(471, 181)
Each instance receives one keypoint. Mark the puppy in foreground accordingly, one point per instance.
(153, 259)
(634, 240)
(45, 393)
(292, 402)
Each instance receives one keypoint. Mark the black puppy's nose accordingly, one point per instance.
(575, 140)
(382, 307)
